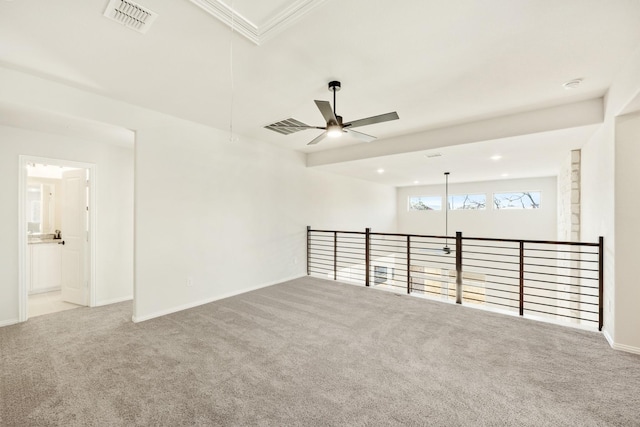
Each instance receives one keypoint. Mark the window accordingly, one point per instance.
(467, 201)
(379, 274)
(523, 200)
(425, 203)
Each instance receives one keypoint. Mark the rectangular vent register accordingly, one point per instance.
(130, 15)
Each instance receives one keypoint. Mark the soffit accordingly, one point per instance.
(536, 155)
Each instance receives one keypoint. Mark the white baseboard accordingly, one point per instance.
(608, 337)
(620, 347)
(138, 319)
(113, 301)
(627, 348)
(9, 322)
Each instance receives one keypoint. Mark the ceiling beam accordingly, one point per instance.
(565, 116)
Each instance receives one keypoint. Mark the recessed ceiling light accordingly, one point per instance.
(504, 175)
(572, 84)
(496, 157)
(380, 170)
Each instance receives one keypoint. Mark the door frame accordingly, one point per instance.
(23, 289)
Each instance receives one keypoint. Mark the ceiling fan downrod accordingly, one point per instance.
(334, 86)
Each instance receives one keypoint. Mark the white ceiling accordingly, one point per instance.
(258, 12)
(258, 21)
(435, 63)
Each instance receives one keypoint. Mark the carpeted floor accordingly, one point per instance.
(311, 352)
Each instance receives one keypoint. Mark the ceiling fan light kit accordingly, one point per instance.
(334, 127)
(334, 131)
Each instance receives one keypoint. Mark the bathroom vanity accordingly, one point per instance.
(44, 267)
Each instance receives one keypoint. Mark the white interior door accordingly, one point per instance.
(74, 235)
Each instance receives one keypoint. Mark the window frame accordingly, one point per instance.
(515, 208)
(451, 208)
(410, 209)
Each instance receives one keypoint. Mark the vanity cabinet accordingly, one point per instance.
(45, 267)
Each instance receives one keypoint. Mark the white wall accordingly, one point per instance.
(538, 224)
(114, 274)
(597, 209)
(601, 187)
(627, 207)
(232, 216)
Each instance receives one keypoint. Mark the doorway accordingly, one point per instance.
(56, 235)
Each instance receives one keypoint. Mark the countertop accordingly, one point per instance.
(39, 240)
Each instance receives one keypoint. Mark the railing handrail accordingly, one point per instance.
(544, 242)
(485, 239)
(414, 235)
(458, 239)
(337, 231)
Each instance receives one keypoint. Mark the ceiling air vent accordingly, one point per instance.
(130, 15)
(286, 122)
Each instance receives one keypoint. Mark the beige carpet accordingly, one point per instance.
(312, 352)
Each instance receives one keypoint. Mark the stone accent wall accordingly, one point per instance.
(569, 230)
(569, 198)
(575, 195)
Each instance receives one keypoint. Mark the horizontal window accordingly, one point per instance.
(515, 200)
(467, 201)
(425, 203)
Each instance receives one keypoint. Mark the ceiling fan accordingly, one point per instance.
(334, 125)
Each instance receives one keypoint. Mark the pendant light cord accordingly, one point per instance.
(233, 14)
(446, 209)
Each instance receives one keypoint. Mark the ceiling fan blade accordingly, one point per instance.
(318, 138)
(326, 111)
(361, 136)
(371, 120)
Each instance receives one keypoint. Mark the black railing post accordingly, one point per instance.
(408, 264)
(600, 283)
(521, 278)
(335, 255)
(458, 267)
(308, 249)
(366, 256)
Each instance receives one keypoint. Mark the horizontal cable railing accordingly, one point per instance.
(549, 279)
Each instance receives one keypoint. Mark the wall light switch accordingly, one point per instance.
(189, 282)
